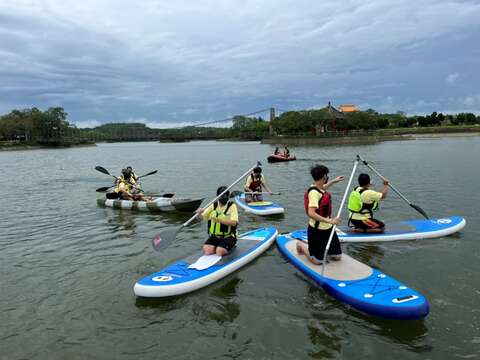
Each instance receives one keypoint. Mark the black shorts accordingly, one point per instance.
(227, 243)
(368, 224)
(317, 242)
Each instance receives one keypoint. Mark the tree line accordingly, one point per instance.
(51, 127)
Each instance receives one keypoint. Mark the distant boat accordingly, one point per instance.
(280, 158)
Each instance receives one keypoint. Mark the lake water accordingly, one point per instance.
(68, 266)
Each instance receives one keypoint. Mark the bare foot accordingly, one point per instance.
(300, 248)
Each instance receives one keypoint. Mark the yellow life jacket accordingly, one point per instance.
(121, 181)
(221, 230)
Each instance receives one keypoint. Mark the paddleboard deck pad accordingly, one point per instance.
(180, 277)
(260, 207)
(405, 230)
(360, 286)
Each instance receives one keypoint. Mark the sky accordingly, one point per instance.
(172, 63)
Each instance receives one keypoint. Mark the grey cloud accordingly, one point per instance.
(190, 61)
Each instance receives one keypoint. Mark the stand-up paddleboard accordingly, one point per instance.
(259, 207)
(360, 286)
(184, 276)
(405, 230)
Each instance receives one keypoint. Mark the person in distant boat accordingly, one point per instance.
(255, 183)
(222, 217)
(286, 152)
(124, 187)
(277, 151)
(318, 206)
(363, 201)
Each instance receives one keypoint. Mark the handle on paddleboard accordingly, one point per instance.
(416, 207)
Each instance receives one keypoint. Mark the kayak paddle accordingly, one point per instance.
(167, 236)
(416, 207)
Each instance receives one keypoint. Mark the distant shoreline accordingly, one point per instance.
(20, 147)
(379, 136)
(373, 138)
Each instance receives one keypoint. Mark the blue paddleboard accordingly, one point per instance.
(360, 286)
(259, 207)
(180, 278)
(404, 230)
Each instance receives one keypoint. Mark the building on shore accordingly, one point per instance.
(347, 108)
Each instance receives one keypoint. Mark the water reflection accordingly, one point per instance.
(161, 304)
(327, 330)
(226, 307)
(120, 220)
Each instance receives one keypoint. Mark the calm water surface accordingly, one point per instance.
(68, 266)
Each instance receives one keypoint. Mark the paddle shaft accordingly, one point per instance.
(223, 192)
(338, 215)
(393, 188)
(260, 193)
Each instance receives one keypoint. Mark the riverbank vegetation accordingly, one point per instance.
(33, 127)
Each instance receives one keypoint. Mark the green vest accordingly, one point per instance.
(221, 230)
(356, 204)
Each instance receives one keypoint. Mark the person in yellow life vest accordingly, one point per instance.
(132, 178)
(318, 207)
(255, 183)
(222, 222)
(123, 187)
(363, 201)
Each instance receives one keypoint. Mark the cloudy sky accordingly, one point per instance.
(185, 61)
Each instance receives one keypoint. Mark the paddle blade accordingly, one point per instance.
(103, 189)
(102, 170)
(420, 210)
(150, 173)
(164, 238)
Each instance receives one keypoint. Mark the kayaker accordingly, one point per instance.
(255, 183)
(133, 176)
(222, 217)
(124, 187)
(363, 201)
(318, 206)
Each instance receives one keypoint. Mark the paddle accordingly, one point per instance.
(338, 215)
(264, 192)
(167, 236)
(103, 189)
(166, 195)
(105, 171)
(416, 207)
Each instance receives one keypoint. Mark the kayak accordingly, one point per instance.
(259, 207)
(280, 158)
(364, 288)
(184, 276)
(157, 204)
(404, 230)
